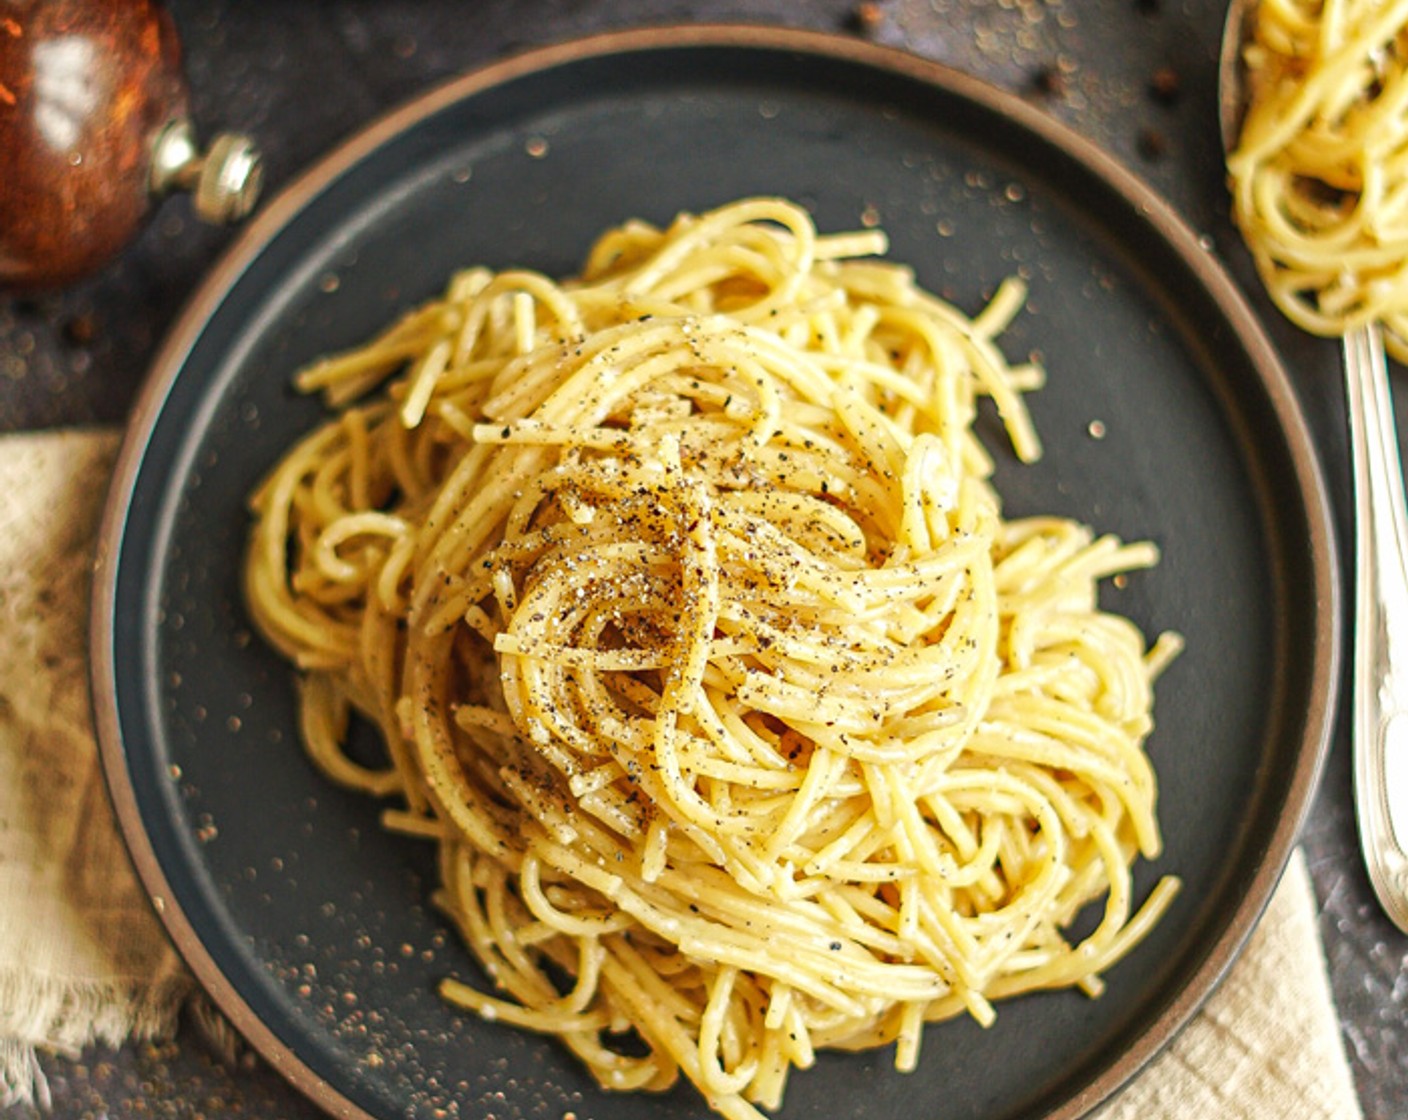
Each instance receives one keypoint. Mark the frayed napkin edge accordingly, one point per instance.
(70, 1017)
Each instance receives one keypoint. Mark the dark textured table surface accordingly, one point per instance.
(1138, 76)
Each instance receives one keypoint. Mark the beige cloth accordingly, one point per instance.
(82, 957)
(83, 960)
(1267, 1045)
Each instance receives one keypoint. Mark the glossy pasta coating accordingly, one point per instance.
(740, 715)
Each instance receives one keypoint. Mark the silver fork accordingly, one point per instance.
(1380, 730)
(1380, 718)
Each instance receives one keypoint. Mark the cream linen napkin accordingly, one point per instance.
(83, 960)
(82, 957)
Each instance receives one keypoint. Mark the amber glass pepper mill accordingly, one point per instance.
(94, 128)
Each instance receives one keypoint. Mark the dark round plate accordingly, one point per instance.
(313, 929)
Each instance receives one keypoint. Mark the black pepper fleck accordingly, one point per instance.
(1164, 85)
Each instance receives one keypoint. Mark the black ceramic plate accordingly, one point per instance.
(313, 930)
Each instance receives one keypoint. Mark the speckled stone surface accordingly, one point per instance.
(1137, 76)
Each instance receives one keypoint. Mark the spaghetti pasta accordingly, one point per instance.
(740, 716)
(1319, 175)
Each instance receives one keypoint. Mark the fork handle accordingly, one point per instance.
(1380, 693)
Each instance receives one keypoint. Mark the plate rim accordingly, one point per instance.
(1170, 227)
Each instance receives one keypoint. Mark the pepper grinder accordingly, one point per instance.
(95, 128)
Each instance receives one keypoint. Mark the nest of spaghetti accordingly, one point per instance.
(743, 721)
(1319, 173)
